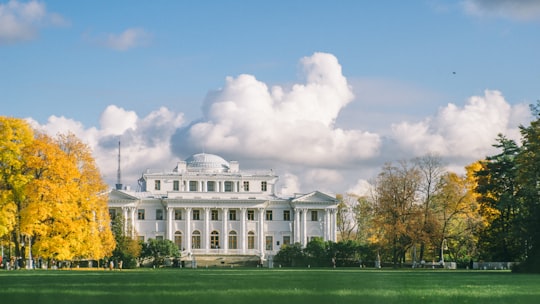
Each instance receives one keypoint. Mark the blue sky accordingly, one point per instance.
(419, 77)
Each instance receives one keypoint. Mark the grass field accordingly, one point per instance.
(267, 286)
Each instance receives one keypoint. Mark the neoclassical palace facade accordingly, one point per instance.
(208, 206)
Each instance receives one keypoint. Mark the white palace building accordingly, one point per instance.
(208, 207)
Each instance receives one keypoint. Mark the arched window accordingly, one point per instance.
(196, 239)
(178, 239)
(214, 240)
(251, 240)
(233, 243)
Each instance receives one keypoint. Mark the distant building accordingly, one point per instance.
(208, 206)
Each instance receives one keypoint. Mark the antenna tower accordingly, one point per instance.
(118, 174)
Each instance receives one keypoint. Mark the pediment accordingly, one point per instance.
(119, 195)
(315, 197)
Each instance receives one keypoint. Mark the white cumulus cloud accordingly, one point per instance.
(145, 141)
(21, 21)
(293, 132)
(293, 126)
(463, 132)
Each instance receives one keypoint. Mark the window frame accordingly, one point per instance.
(177, 214)
(159, 215)
(232, 215)
(286, 215)
(141, 214)
(250, 214)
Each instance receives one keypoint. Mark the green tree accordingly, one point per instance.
(316, 252)
(128, 250)
(159, 250)
(528, 162)
(503, 238)
(290, 255)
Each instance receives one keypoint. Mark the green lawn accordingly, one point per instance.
(267, 286)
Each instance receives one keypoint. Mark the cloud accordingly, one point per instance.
(21, 21)
(128, 39)
(466, 132)
(522, 10)
(145, 142)
(295, 126)
(294, 133)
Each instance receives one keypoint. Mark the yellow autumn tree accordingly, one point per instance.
(61, 206)
(97, 237)
(15, 136)
(458, 214)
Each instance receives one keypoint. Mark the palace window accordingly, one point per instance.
(286, 215)
(159, 214)
(192, 186)
(286, 240)
(228, 186)
(269, 242)
(233, 244)
(140, 214)
(196, 215)
(314, 215)
(159, 237)
(214, 215)
(176, 185)
(211, 186)
(196, 240)
(214, 240)
(264, 186)
(246, 186)
(232, 215)
(177, 214)
(268, 215)
(251, 240)
(157, 184)
(178, 239)
(251, 215)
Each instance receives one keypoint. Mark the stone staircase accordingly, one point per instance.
(226, 261)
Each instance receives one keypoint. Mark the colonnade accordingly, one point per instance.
(299, 227)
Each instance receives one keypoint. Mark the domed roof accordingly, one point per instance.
(206, 163)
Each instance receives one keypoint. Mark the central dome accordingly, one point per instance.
(206, 163)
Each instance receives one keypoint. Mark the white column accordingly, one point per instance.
(333, 227)
(326, 225)
(261, 232)
(126, 218)
(296, 235)
(188, 230)
(206, 233)
(243, 230)
(304, 227)
(225, 232)
(170, 228)
(132, 219)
